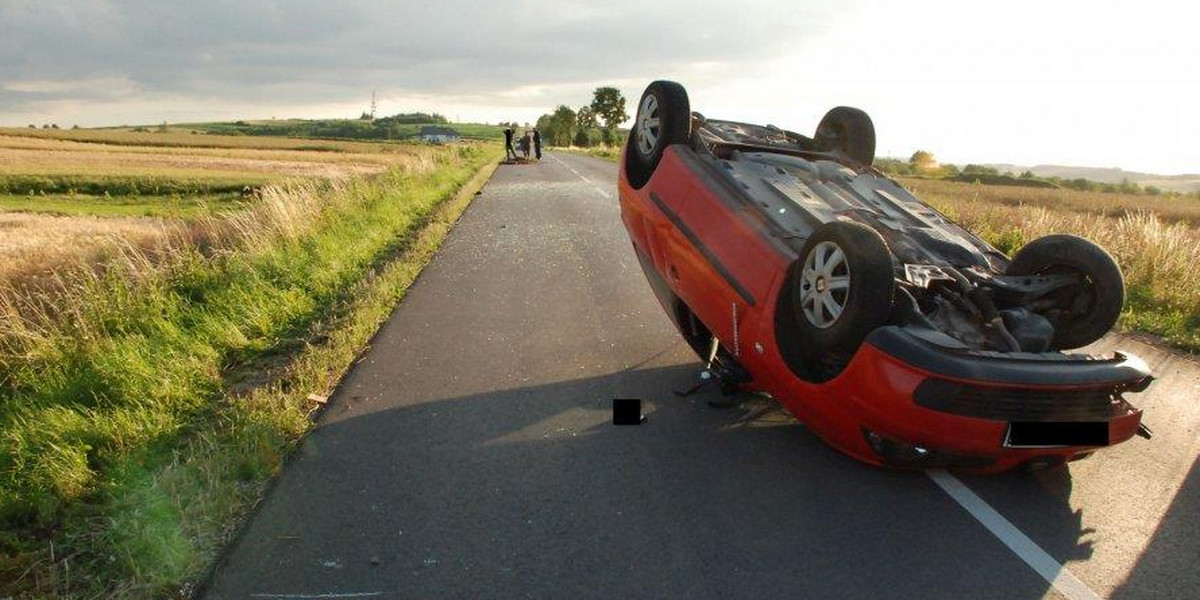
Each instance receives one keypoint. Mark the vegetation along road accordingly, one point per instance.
(155, 370)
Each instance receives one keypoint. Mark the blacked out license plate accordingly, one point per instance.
(1038, 434)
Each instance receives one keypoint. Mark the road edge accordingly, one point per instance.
(387, 287)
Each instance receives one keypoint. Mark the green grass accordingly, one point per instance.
(138, 424)
(173, 206)
(126, 185)
(609, 153)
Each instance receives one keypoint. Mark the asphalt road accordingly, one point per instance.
(470, 455)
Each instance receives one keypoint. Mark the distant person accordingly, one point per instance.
(508, 147)
(525, 145)
(537, 144)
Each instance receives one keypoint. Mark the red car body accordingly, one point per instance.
(707, 251)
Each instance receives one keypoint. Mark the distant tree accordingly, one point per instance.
(32, 126)
(1128, 187)
(1027, 175)
(415, 118)
(585, 118)
(893, 166)
(75, 126)
(581, 137)
(366, 116)
(562, 123)
(923, 160)
(1152, 190)
(54, 126)
(1080, 183)
(609, 107)
(979, 170)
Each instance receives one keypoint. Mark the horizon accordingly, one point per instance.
(1074, 84)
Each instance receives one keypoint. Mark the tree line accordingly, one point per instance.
(589, 125)
(922, 163)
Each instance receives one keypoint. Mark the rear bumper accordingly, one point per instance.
(1016, 369)
(921, 405)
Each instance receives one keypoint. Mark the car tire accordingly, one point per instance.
(842, 290)
(664, 117)
(1084, 312)
(847, 131)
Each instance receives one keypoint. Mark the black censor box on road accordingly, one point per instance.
(627, 411)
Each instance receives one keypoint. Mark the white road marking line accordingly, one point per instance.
(1063, 580)
(328, 595)
(598, 190)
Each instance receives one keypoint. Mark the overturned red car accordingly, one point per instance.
(794, 267)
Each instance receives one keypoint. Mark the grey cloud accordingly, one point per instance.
(320, 51)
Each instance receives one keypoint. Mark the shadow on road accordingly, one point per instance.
(531, 492)
(1038, 504)
(1167, 567)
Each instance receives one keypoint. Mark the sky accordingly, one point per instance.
(1102, 84)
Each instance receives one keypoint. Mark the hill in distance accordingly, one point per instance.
(1179, 183)
(397, 127)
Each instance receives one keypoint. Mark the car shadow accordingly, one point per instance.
(1167, 567)
(532, 492)
(1038, 504)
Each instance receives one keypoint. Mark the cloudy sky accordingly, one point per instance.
(1096, 83)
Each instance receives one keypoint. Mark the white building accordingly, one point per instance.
(438, 135)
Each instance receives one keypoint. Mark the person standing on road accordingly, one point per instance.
(525, 145)
(509, 152)
(537, 144)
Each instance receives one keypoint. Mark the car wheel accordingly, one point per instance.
(664, 117)
(849, 132)
(1084, 312)
(841, 291)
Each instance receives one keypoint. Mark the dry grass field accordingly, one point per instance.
(1170, 209)
(68, 195)
(1155, 240)
(35, 245)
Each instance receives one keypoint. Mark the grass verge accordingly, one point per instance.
(609, 153)
(143, 407)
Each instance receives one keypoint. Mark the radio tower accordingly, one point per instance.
(372, 105)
